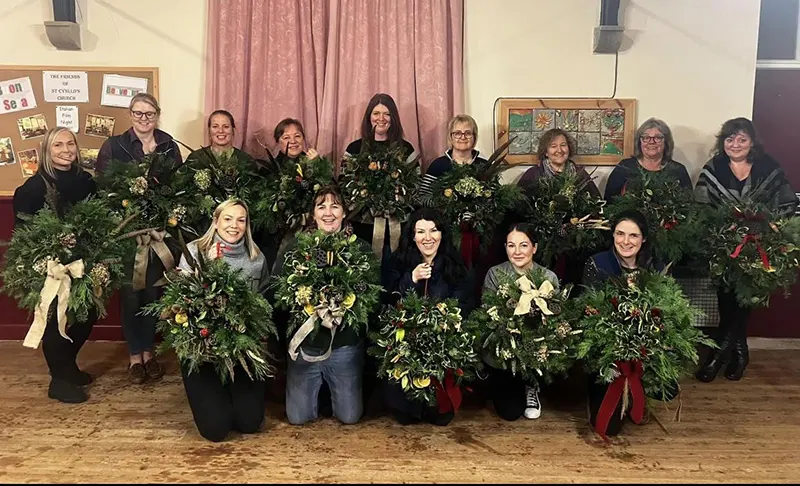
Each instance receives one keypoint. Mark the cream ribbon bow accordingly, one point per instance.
(531, 294)
(155, 240)
(379, 234)
(330, 317)
(57, 284)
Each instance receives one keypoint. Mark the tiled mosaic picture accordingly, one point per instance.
(596, 131)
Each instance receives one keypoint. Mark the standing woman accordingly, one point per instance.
(143, 138)
(427, 263)
(343, 370)
(241, 403)
(652, 151)
(511, 395)
(462, 136)
(738, 167)
(381, 129)
(221, 130)
(60, 168)
(291, 139)
(556, 147)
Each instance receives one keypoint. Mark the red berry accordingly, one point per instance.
(203, 332)
(460, 372)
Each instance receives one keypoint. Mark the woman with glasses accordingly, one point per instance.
(652, 151)
(143, 138)
(461, 139)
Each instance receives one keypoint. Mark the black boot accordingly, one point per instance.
(66, 392)
(740, 357)
(715, 359)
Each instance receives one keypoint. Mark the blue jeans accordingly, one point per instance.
(343, 373)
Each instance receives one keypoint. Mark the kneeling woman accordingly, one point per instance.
(342, 371)
(631, 253)
(426, 262)
(240, 404)
(511, 395)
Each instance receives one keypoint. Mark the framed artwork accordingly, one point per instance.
(603, 128)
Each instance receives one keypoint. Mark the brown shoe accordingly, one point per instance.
(137, 374)
(154, 369)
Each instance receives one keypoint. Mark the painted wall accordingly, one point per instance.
(688, 62)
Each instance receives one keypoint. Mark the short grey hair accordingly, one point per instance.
(661, 126)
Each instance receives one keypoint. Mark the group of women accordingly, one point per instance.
(425, 259)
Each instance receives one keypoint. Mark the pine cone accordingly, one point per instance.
(163, 190)
(321, 258)
(67, 240)
(227, 181)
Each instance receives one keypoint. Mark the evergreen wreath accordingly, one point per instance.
(565, 216)
(328, 273)
(380, 182)
(211, 315)
(643, 316)
(754, 252)
(471, 196)
(285, 197)
(150, 188)
(526, 326)
(678, 225)
(88, 231)
(424, 346)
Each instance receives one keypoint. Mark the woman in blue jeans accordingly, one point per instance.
(342, 371)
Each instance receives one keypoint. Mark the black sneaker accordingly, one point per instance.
(66, 392)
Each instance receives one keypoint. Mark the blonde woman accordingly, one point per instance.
(141, 139)
(241, 403)
(59, 168)
(462, 136)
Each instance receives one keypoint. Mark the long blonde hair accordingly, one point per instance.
(205, 242)
(47, 144)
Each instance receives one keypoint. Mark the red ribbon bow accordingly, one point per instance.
(221, 247)
(630, 372)
(470, 245)
(754, 239)
(448, 397)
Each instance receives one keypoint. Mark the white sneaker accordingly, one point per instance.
(533, 407)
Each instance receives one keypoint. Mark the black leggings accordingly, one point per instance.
(217, 408)
(732, 317)
(407, 411)
(507, 392)
(59, 353)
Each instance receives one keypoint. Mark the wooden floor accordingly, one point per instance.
(730, 432)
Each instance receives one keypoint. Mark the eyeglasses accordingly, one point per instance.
(657, 139)
(465, 135)
(144, 114)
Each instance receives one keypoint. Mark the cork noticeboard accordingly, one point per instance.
(602, 128)
(24, 127)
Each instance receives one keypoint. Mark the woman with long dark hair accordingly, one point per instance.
(739, 166)
(427, 263)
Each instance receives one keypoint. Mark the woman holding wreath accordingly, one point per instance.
(739, 168)
(60, 170)
(427, 264)
(342, 369)
(142, 138)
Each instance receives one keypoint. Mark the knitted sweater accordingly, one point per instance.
(254, 271)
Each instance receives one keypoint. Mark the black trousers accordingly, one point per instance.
(732, 317)
(507, 393)
(597, 392)
(59, 353)
(217, 409)
(408, 411)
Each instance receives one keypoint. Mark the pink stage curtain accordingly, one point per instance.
(321, 62)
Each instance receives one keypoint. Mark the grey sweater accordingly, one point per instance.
(492, 280)
(255, 271)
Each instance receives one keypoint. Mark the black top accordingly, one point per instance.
(72, 186)
(445, 163)
(630, 167)
(399, 282)
(127, 147)
(356, 146)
